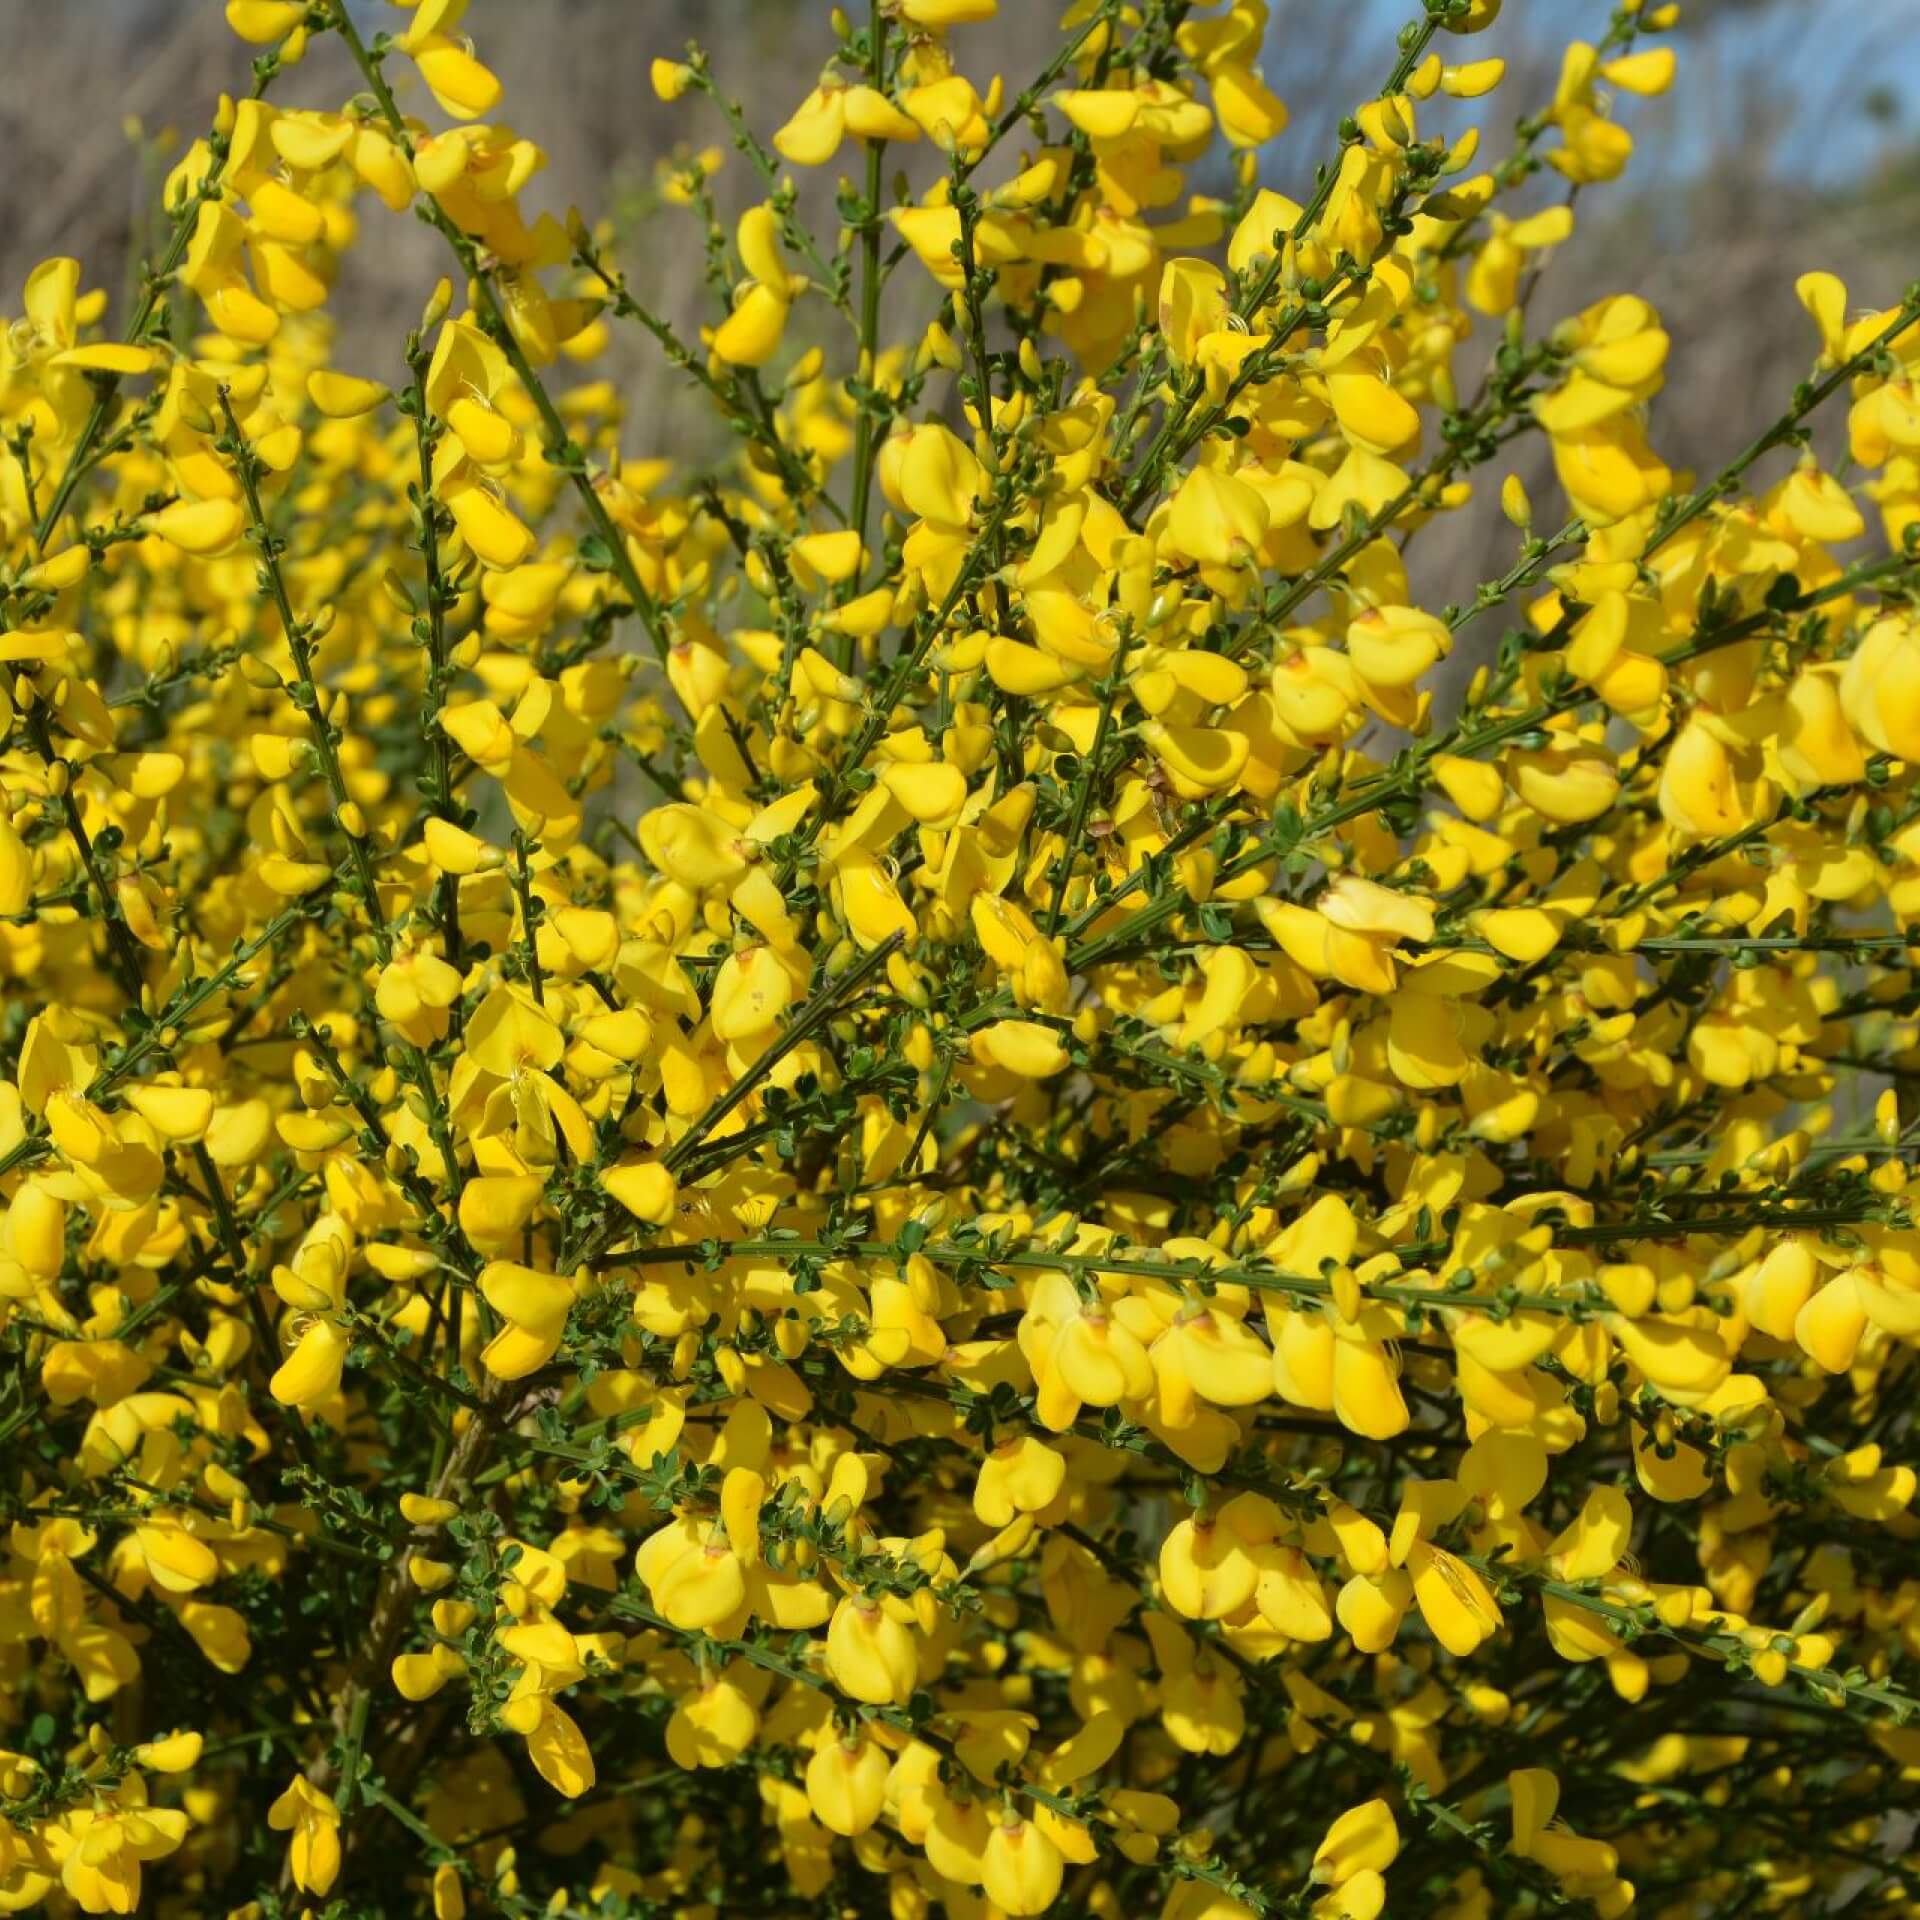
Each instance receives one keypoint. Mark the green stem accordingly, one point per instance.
(310, 698)
(864, 439)
(107, 385)
(561, 450)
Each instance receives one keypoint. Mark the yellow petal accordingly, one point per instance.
(198, 527)
(311, 1372)
(340, 396)
(751, 333)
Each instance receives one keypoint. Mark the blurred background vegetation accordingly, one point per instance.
(1789, 142)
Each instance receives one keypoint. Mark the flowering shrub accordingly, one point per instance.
(912, 1177)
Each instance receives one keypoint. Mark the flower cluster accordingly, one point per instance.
(950, 1170)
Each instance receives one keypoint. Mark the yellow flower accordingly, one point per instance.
(534, 1306)
(314, 1822)
(846, 1784)
(101, 1850)
(1021, 1868)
